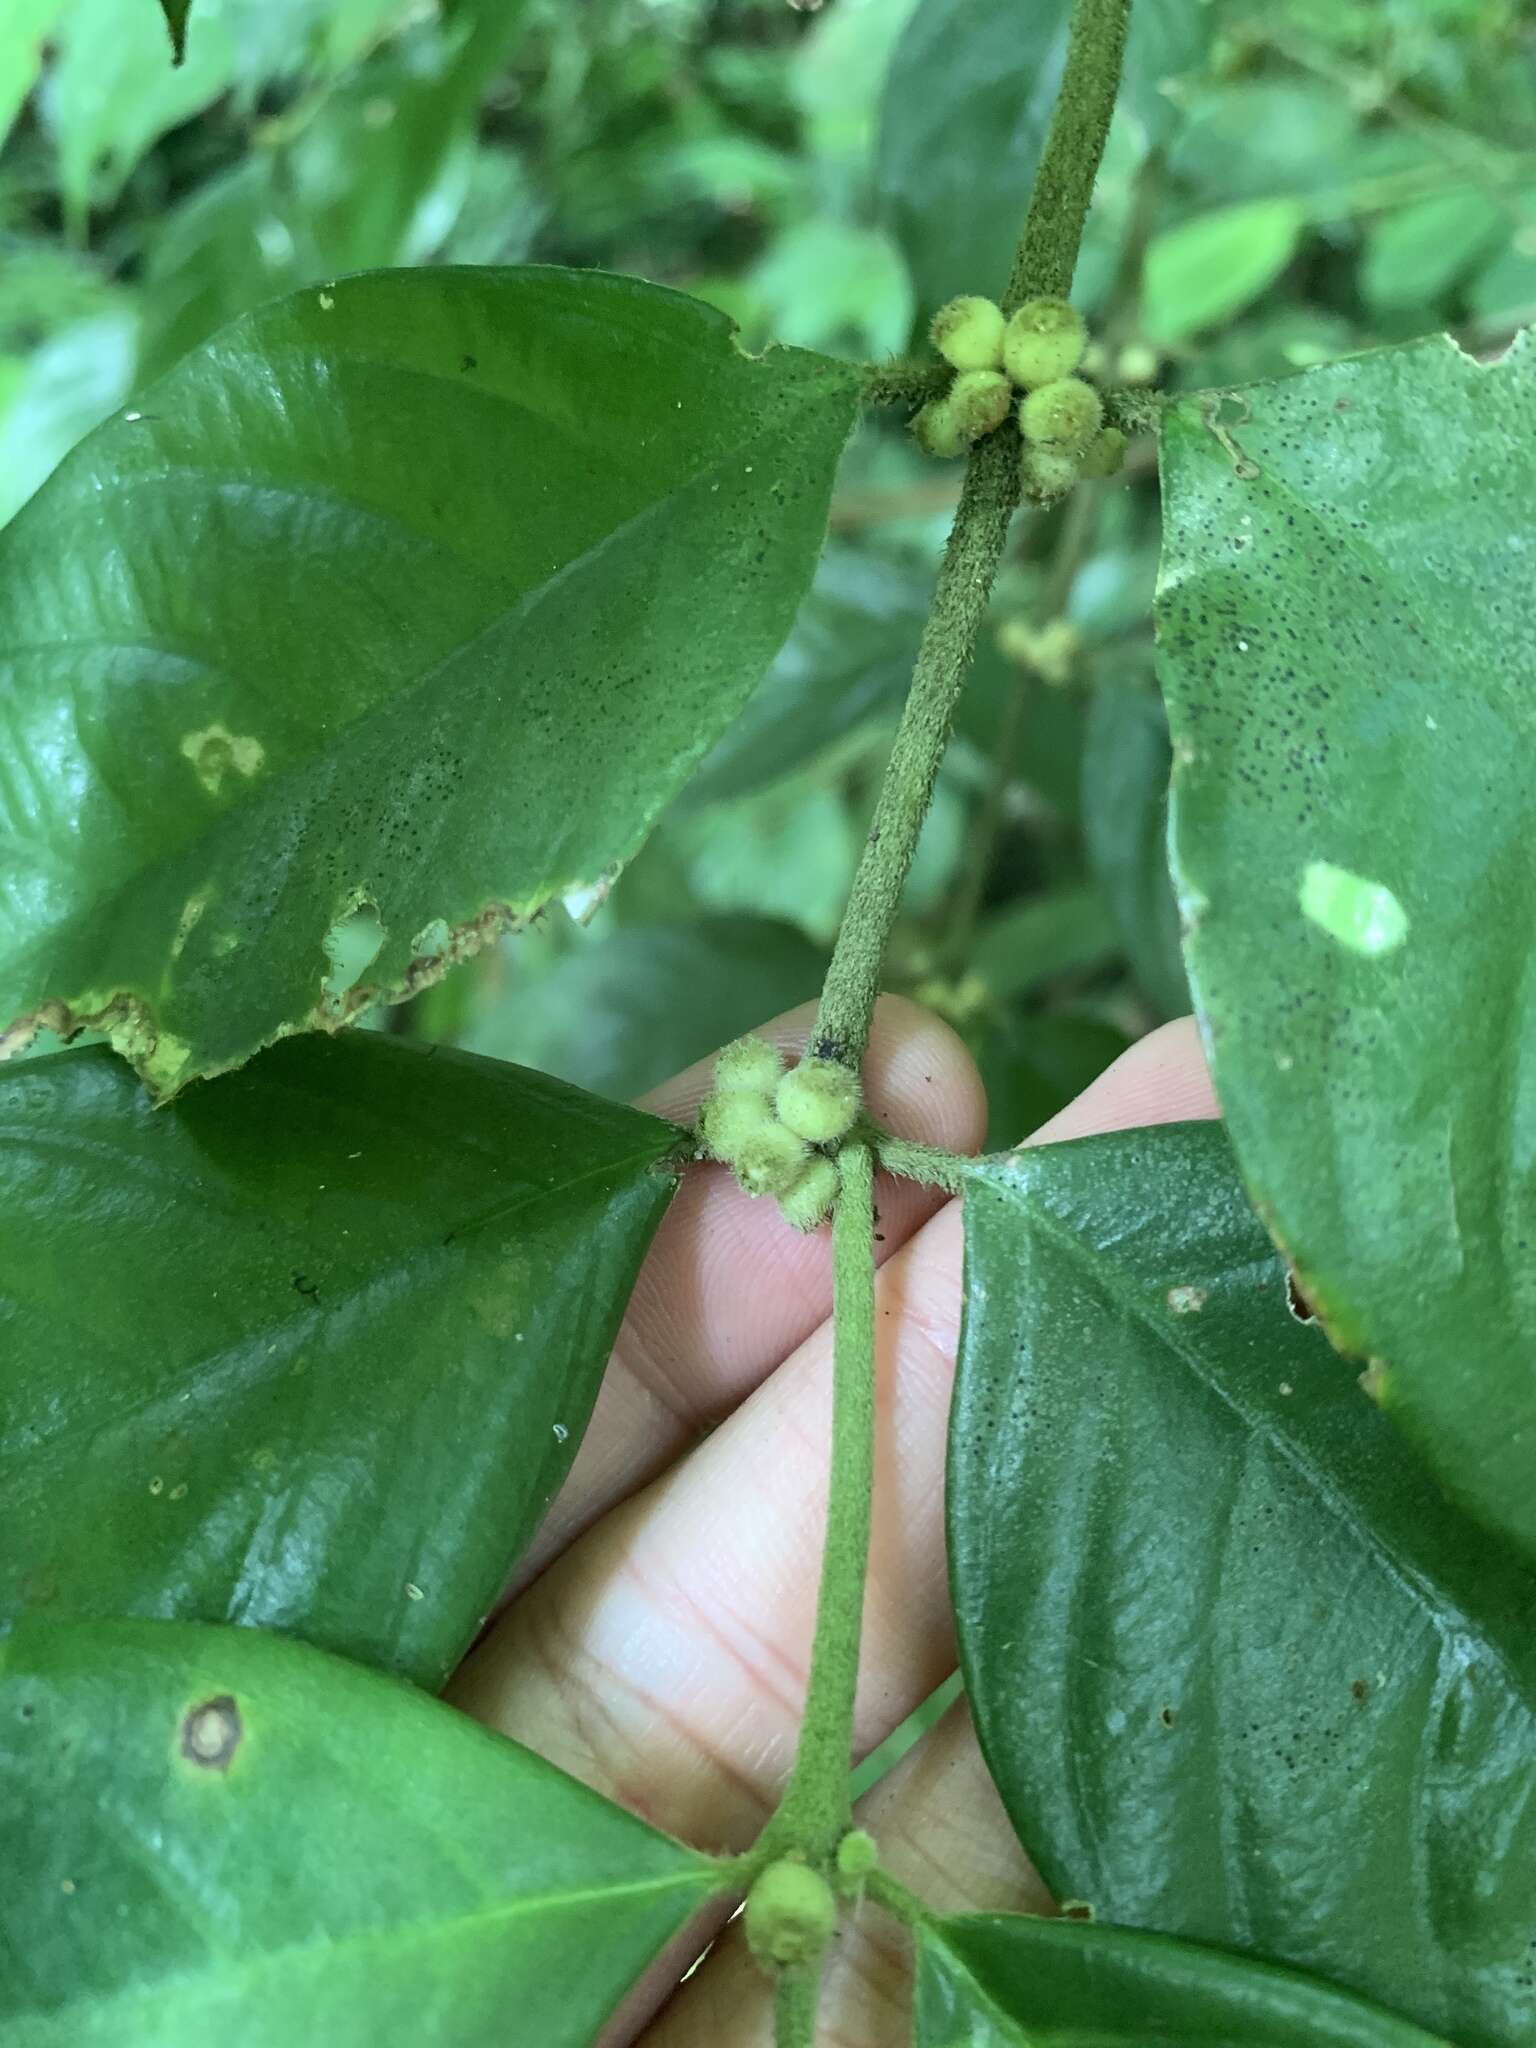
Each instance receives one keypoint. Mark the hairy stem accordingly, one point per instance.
(817, 1808)
(926, 1164)
(904, 383)
(1046, 259)
(949, 639)
(1058, 205)
(795, 1999)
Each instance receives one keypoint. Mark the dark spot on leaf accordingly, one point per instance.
(1167, 1716)
(302, 1284)
(469, 363)
(211, 1733)
(1360, 1691)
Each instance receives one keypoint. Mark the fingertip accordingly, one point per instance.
(920, 1079)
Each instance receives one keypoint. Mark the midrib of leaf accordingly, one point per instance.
(1103, 1273)
(252, 1970)
(1004, 2021)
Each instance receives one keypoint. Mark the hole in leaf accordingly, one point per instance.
(351, 945)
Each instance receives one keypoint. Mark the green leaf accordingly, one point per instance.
(112, 91)
(176, 12)
(1347, 654)
(621, 1012)
(312, 1348)
(422, 592)
(28, 23)
(213, 1834)
(1030, 943)
(998, 1980)
(848, 659)
(1240, 1672)
(968, 100)
(1206, 269)
(1125, 826)
(375, 174)
(1414, 255)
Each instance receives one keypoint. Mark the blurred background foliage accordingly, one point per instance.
(1286, 180)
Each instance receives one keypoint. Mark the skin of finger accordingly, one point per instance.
(646, 1662)
(943, 1834)
(663, 1658)
(727, 1291)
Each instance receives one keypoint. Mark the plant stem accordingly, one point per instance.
(896, 1899)
(795, 1999)
(960, 597)
(904, 383)
(1058, 205)
(1046, 259)
(817, 1808)
(923, 1163)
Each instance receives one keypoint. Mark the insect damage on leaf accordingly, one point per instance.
(216, 752)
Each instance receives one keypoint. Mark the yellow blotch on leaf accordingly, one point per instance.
(217, 752)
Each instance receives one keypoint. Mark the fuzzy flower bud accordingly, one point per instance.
(1044, 341)
(968, 332)
(1104, 453)
(751, 1064)
(1046, 474)
(818, 1101)
(791, 1915)
(808, 1203)
(936, 430)
(1063, 415)
(771, 1162)
(979, 401)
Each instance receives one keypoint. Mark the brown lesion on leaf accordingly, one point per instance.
(126, 1020)
(459, 943)
(211, 1733)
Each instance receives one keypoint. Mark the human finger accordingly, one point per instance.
(728, 1291)
(942, 1833)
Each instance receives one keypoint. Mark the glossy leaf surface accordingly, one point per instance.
(1239, 1670)
(313, 1347)
(425, 591)
(213, 1834)
(999, 1980)
(1349, 658)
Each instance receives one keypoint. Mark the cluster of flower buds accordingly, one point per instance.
(1034, 354)
(771, 1127)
